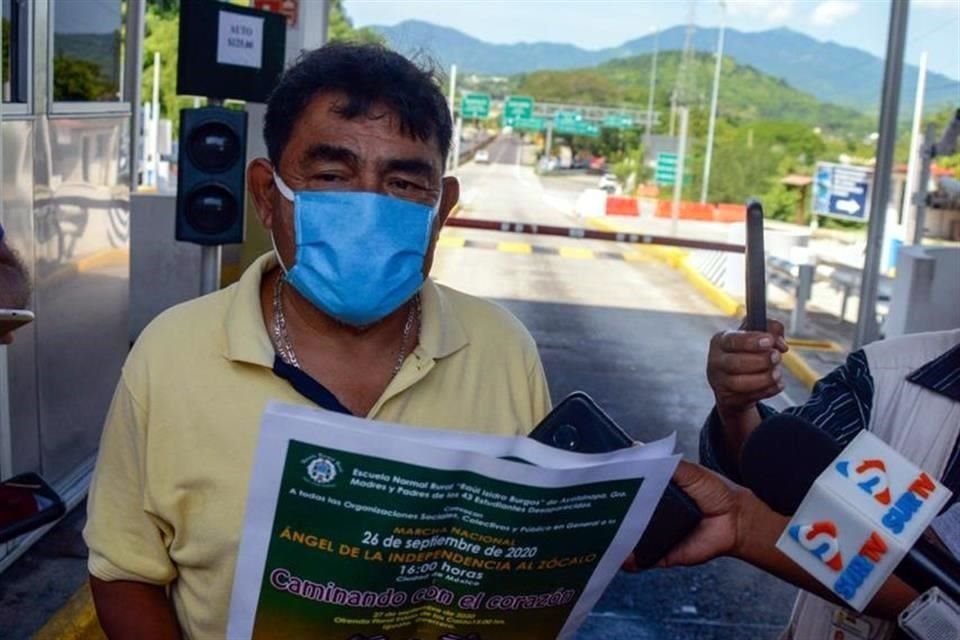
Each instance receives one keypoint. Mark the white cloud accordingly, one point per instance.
(830, 12)
(938, 4)
(772, 11)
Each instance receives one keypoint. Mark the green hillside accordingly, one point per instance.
(745, 93)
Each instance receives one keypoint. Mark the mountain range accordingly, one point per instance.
(829, 71)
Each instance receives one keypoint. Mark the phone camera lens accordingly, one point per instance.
(567, 437)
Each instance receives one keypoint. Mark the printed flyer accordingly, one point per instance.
(358, 530)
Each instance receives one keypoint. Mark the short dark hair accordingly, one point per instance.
(367, 74)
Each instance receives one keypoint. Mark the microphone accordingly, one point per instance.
(781, 461)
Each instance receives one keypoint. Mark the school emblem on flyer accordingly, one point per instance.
(321, 470)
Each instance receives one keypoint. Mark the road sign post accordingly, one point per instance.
(678, 181)
(475, 105)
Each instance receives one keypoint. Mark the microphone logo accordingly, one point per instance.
(869, 475)
(820, 539)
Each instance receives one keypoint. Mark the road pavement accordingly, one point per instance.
(633, 334)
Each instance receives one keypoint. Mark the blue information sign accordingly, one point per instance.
(842, 191)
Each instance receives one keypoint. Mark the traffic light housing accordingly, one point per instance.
(210, 181)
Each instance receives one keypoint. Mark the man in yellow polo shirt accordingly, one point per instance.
(341, 315)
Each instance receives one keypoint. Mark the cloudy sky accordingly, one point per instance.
(934, 25)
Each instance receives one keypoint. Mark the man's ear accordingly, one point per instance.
(261, 186)
(448, 199)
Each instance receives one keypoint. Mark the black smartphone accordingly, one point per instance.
(27, 502)
(579, 424)
(756, 269)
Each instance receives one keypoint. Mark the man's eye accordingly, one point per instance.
(328, 177)
(403, 185)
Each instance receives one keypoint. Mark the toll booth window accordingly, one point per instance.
(87, 50)
(16, 29)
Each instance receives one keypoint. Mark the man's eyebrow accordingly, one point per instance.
(331, 153)
(414, 166)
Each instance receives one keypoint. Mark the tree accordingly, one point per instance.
(341, 27)
(75, 79)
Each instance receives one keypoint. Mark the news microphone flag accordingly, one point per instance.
(860, 518)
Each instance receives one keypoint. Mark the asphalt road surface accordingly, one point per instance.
(633, 334)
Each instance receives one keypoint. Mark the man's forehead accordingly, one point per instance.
(324, 121)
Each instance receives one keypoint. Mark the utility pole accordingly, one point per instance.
(913, 160)
(713, 106)
(678, 179)
(454, 159)
(653, 86)
(867, 330)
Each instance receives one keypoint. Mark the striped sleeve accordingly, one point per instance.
(840, 404)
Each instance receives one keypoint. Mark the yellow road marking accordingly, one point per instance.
(453, 242)
(514, 247)
(579, 253)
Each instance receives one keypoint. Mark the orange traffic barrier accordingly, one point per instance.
(703, 211)
(622, 206)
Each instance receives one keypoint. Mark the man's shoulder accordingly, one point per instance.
(484, 320)
(190, 327)
(911, 351)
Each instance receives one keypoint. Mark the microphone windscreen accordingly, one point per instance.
(782, 458)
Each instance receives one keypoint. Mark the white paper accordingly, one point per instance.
(445, 451)
(240, 40)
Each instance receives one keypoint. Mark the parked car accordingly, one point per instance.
(609, 183)
(482, 157)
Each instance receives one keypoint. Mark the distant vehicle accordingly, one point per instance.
(608, 182)
(482, 156)
(598, 164)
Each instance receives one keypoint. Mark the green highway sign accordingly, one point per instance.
(528, 124)
(567, 122)
(666, 170)
(475, 105)
(515, 107)
(618, 121)
(587, 129)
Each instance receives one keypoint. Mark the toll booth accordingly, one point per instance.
(71, 75)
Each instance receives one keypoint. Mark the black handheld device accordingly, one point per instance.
(578, 424)
(756, 269)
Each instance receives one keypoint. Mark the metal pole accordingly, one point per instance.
(798, 319)
(210, 258)
(713, 106)
(155, 124)
(920, 197)
(653, 85)
(867, 330)
(455, 160)
(133, 63)
(678, 178)
(906, 207)
(548, 145)
(453, 90)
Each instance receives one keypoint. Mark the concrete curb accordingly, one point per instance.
(76, 620)
(679, 260)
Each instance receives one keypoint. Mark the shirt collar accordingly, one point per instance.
(441, 331)
(941, 375)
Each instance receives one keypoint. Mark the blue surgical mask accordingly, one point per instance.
(359, 255)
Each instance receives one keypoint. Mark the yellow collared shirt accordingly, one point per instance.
(168, 496)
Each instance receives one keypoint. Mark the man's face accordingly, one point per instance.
(367, 153)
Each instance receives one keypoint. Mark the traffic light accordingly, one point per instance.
(210, 185)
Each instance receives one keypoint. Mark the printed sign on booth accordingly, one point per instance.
(240, 40)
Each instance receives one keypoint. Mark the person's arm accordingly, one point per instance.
(840, 402)
(14, 288)
(137, 610)
(743, 368)
(129, 564)
(736, 523)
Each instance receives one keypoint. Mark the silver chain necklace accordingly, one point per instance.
(285, 348)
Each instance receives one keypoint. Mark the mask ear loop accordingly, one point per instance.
(287, 193)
